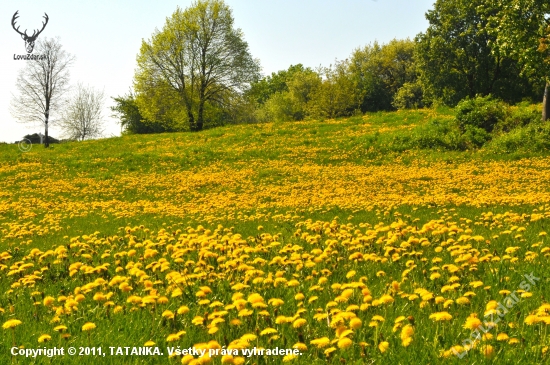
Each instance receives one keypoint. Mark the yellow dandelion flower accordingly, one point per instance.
(386, 299)
(407, 331)
(383, 346)
(299, 323)
(300, 346)
(502, 337)
(187, 359)
(320, 342)
(344, 343)
(355, 323)
(168, 314)
(268, 331)
(48, 301)
(239, 360)
(88, 326)
(531, 319)
(441, 316)
(487, 351)
(472, 323)
(44, 338)
(173, 337)
(255, 298)
(290, 357)
(183, 309)
(12, 323)
(378, 318)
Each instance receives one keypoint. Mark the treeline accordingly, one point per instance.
(471, 48)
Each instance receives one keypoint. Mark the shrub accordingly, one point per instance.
(518, 116)
(475, 137)
(409, 96)
(481, 112)
(533, 137)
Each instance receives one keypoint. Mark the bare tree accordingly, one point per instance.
(41, 85)
(82, 117)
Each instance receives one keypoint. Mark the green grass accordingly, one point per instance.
(279, 176)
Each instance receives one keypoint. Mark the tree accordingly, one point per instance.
(378, 71)
(294, 99)
(199, 57)
(334, 96)
(522, 30)
(82, 117)
(261, 90)
(42, 84)
(131, 120)
(456, 56)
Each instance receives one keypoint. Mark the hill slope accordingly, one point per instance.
(312, 235)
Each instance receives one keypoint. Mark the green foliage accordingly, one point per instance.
(334, 96)
(280, 107)
(379, 71)
(522, 30)
(481, 112)
(131, 120)
(409, 96)
(456, 56)
(518, 116)
(192, 67)
(295, 102)
(533, 137)
(441, 135)
(261, 90)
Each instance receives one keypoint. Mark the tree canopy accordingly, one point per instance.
(456, 56)
(190, 67)
(522, 30)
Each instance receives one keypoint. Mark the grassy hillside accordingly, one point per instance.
(312, 235)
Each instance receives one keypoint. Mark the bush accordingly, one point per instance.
(475, 137)
(480, 112)
(518, 116)
(530, 138)
(409, 96)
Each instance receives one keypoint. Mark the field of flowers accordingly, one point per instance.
(274, 236)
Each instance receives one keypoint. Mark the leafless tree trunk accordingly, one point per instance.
(41, 85)
(82, 116)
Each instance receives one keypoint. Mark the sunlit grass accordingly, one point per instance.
(301, 235)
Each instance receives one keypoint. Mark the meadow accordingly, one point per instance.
(328, 237)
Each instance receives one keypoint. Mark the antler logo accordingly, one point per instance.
(29, 40)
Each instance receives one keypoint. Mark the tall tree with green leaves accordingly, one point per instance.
(131, 120)
(522, 30)
(335, 95)
(261, 90)
(378, 71)
(196, 60)
(456, 56)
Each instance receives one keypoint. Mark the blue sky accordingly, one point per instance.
(105, 37)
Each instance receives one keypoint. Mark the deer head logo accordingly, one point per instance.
(29, 40)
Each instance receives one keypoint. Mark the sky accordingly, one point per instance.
(105, 38)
